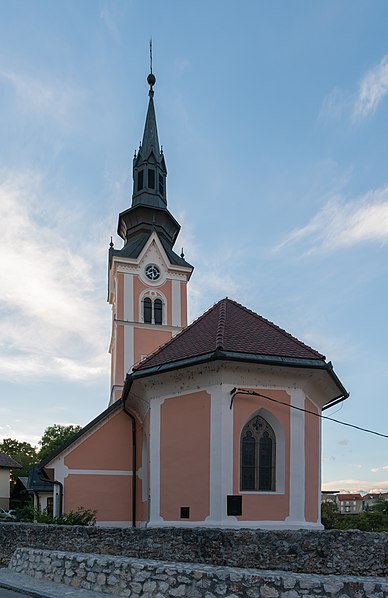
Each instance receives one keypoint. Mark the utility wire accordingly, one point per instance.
(337, 421)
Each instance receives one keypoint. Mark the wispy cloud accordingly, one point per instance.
(56, 99)
(344, 223)
(372, 89)
(352, 485)
(376, 469)
(50, 301)
(360, 103)
(335, 105)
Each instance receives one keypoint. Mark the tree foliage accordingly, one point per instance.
(22, 452)
(54, 436)
(373, 520)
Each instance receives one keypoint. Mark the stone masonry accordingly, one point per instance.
(325, 552)
(120, 576)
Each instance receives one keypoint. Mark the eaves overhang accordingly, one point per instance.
(221, 355)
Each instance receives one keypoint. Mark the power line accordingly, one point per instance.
(337, 421)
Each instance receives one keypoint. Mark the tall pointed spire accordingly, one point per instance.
(148, 211)
(149, 167)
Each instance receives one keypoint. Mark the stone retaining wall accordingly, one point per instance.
(119, 576)
(324, 552)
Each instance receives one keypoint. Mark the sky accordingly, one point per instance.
(274, 122)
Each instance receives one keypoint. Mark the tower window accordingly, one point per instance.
(161, 185)
(158, 311)
(147, 310)
(258, 446)
(151, 178)
(152, 311)
(140, 180)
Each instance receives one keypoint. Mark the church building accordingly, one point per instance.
(215, 423)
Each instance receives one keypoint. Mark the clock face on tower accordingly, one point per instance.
(152, 272)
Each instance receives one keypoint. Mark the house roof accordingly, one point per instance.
(230, 327)
(7, 462)
(36, 483)
(349, 497)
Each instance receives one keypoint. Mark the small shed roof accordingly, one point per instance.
(7, 462)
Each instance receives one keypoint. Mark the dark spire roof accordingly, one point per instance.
(148, 211)
(150, 141)
(231, 327)
(149, 167)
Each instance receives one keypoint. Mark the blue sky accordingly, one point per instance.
(274, 121)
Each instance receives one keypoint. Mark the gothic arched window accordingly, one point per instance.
(147, 306)
(158, 311)
(258, 456)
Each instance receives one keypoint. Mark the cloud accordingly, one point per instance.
(352, 485)
(335, 105)
(344, 223)
(372, 89)
(376, 469)
(56, 99)
(51, 300)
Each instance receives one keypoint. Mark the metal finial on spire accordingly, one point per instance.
(151, 77)
(111, 244)
(182, 254)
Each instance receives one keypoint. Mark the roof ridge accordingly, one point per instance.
(278, 328)
(221, 324)
(173, 338)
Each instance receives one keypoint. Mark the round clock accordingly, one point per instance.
(152, 272)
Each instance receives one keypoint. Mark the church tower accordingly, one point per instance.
(147, 280)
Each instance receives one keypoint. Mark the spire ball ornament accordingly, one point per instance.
(151, 79)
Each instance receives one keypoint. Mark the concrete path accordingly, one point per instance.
(16, 585)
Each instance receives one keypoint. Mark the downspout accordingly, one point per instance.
(37, 500)
(60, 496)
(133, 463)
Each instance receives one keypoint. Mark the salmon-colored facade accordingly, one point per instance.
(216, 426)
(184, 456)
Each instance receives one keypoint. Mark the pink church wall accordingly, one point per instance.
(312, 460)
(119, 378)
(109, 495)
(120, 297)
(142, 507)
(259, 506)
(185, 456)
(146, 340)
(183, 304)
(109, 447)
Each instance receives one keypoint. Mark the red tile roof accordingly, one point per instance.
(231, 327)
(349, 497)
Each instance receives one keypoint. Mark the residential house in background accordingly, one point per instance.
(6, 464)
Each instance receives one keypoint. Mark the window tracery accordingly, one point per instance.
(258, 456)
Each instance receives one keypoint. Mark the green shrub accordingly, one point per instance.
(79, 517)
